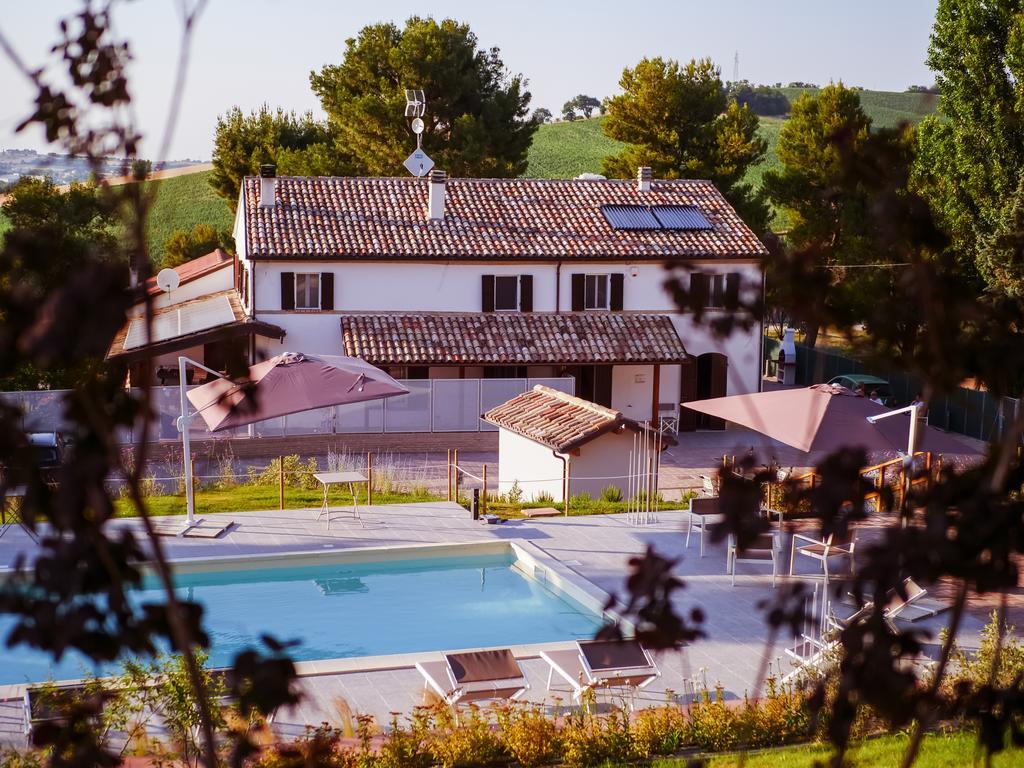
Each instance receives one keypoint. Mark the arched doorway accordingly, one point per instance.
(704, 377)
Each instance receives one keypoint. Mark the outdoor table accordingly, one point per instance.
(10, 512)
(327, 479)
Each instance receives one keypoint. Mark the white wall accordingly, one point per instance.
(221, 280)
(522, 460)
(605, 461)
(455, 287)
(633, 390)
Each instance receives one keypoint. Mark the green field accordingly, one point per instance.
(564, 150)
(937, 751)
(181, 203)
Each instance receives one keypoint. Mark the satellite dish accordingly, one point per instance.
(167, 279)
(417, 126)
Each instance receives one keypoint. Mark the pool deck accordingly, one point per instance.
(595, 547)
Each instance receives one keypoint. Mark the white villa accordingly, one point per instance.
(439, 278)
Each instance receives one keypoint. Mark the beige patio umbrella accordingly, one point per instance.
(288, 383)
(825, 418)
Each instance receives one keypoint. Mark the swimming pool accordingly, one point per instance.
(338, 606)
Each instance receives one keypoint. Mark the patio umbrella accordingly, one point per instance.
(290, 383)
(825, 418)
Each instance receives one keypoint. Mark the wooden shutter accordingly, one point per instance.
(287, 290)
(326, 290)
(526, 293)
(579, 288)
(698, 290)
(487, 293)
(732, 290)
(615, 283)
(687, 393)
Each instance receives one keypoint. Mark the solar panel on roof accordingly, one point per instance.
(680, 217)
(630, 217)
(181, 322)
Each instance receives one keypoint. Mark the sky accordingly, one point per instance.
(250, 52)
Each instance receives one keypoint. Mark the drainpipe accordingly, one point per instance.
(565, 480)
(558, 285)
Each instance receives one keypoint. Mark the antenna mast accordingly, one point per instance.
(418, 163)
(736, 67)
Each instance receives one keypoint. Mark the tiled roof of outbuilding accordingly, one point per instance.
(386, 218)
(521, 338)
(559, 421)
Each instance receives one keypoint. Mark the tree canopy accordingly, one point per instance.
(972, 153)
(824, 214)
(298, 144)
(476, 113)
(677, 120)
(762, 99)
(185, 245)
(583, 104)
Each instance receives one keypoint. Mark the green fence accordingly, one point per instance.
(966, 411)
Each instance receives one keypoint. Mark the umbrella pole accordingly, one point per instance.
(186, 448)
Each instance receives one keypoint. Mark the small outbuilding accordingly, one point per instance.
(560, 445)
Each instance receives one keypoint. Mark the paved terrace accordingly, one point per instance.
(596, 547)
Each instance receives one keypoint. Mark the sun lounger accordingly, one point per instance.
(596, 664)
(474, 676)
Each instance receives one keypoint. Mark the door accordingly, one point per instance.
(687, 393)
(712, 376)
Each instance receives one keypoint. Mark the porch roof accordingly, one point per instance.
(197, 324)
(520, 338)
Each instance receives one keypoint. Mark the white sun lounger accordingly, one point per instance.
(596, 664)
(474, 676)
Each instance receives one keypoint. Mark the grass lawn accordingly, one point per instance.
(181, 203)
(245, 498)
(938, 751)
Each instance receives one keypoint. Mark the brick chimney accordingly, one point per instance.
(268, 185)
(643, 179)
(435, 199)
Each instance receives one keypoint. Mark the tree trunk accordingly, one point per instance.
(811, 336)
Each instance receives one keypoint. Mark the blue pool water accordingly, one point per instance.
(342, 610)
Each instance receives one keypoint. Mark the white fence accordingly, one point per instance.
(435, 405)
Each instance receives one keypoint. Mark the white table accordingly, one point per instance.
(327, 479)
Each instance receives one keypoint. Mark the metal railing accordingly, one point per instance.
(432, 405)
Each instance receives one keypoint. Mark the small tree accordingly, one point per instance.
(542, 115)
(184, 245)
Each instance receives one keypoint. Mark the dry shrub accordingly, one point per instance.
(464, 742)
(530, 736)
(659, 731)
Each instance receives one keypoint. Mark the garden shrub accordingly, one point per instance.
(611, 493)
(583, 741)
(468, 741)
(530, 736)
(658, 731)
(781, 717)
(974, 669)
(320, 747)
(297, 474)
(406, 747)
(544, 497)
(712, 725)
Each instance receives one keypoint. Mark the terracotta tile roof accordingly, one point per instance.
(498, 338)
(193, 270)
(385, 218)
(559, 421)
(241, 324)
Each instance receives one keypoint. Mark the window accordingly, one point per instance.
(307, 290)
(506, 292)
(716, 292)
(596, 292)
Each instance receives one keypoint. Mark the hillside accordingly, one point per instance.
(181, 203)
(563, 150)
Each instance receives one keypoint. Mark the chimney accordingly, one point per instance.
(268, 185)
(643, 179)
(435, 200)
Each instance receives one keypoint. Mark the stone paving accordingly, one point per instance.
(596, 547)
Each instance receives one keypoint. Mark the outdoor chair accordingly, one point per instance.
(609, 664)
(764, 550)
(474, 676)
(821, 550)
(704, 512)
